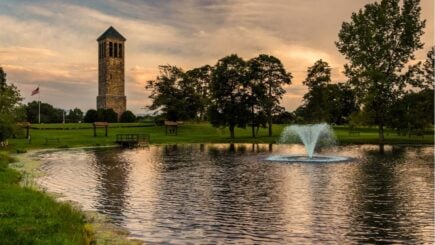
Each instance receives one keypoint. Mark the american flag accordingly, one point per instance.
(35, 91)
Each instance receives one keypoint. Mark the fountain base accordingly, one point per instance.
(306, 159)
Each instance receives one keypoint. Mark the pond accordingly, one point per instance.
(221, 193)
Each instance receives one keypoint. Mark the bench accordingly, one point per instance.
(104, 125)
(171, 127)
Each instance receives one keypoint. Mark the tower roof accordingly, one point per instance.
(111, 33)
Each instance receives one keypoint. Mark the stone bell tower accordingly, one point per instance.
(111, 82)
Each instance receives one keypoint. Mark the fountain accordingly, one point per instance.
(312, 136)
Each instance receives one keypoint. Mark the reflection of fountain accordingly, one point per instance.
(310, 135)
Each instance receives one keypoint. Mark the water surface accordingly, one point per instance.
(229, 194)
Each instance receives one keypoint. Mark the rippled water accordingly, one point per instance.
(230, 194)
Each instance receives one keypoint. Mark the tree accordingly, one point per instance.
(49, 114)
(90, 116)
(229, 94)
(315, 101)
(284, 117)
(414, 111)
(127, 117)
(267, 75)
(107, 115)
(174, 94)
(326, 102)
(428, 67)
(75, 115)
(378, 42)
(340, 103)
(200, 79)
(9, 107)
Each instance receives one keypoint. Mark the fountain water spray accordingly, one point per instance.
(310, 135)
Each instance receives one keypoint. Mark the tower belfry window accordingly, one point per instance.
(110, 49)
(120, 50)
(115, 50)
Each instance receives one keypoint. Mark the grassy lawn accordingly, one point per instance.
(74, 135)
(28, 216)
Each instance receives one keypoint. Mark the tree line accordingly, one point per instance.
(233, 93)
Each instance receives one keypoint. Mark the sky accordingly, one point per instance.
(53, 43)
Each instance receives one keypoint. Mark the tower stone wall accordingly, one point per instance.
(111, 75)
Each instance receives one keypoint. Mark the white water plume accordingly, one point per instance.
(311, 135)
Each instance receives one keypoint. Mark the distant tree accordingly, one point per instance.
(229, 94)
(49, 114)
(340, 103)
(174, 94)
(378, 42)
(75, 115)
(414, 111)
(428, 68)
(10, 99)
(316, 101)
(284, 117)
(267, 76)
(200, 79)
(91, 116)
(107, 115)
(127, 117)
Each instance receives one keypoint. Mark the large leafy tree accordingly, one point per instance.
(9, 107)
(267, 77)
(229, 90)
(174, 94)
(200, 79)
(378, 42)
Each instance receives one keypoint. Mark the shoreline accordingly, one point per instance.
(97, 226)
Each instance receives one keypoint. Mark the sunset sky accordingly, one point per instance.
(53, 43)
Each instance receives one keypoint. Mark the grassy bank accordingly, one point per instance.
(74, 135)
(28, 216)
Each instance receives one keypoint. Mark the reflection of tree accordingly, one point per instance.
(245, 195)
(212, 190)
(113, 173)
(378, 207)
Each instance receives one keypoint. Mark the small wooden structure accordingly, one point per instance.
(171, 127)
(26, 126)
(104, 125)
(131, 140)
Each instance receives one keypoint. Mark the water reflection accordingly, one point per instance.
(227, 193)
(113, 172)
